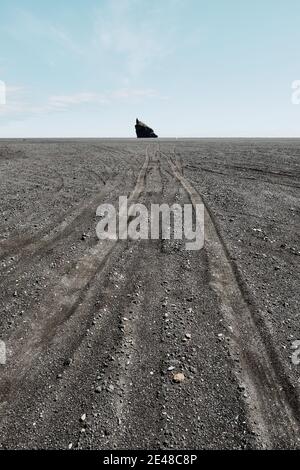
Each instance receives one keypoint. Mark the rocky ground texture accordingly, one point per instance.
(142, 344)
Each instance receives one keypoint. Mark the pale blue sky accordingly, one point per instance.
(189, 68)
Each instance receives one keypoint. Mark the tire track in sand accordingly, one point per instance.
(59, 305)
(273, 405)
(30, 245)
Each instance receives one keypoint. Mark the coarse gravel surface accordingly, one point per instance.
(142, 344)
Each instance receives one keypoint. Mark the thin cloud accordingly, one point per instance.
(127, 93)
(28, 28)
(13, 89)
(139, 40)
(18, 105)
(65, 101)
(76, 99)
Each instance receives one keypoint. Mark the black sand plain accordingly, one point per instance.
(97, 331)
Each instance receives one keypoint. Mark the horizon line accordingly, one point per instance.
(149, 139)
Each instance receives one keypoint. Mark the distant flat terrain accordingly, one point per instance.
(96, 332)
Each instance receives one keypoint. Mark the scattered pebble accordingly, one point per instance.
(179, 377)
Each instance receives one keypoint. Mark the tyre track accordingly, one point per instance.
(59, 305)
(253, 178)
(139, 352)
(32, 246)
(273, 404)
(52, 232)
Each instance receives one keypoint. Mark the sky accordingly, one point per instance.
(188, 68)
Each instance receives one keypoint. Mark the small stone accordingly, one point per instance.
(83, 418)
(179, 377)
(188, 335)
(98, 389)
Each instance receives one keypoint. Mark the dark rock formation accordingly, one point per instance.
(143, 131)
